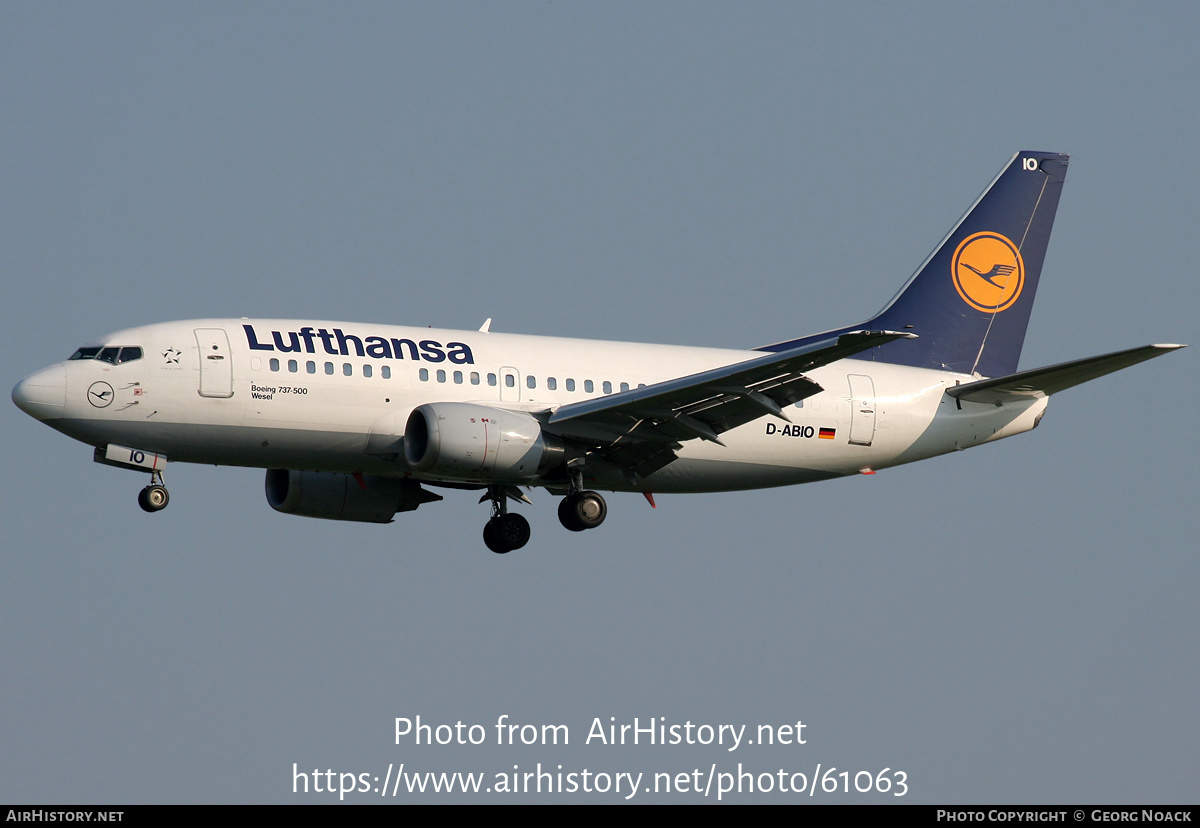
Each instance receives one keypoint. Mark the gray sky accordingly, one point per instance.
(1016, 623)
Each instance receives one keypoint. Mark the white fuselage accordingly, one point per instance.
(335, 397)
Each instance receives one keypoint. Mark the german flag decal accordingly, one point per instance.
(827, 433)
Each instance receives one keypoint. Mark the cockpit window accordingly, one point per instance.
(112, 354)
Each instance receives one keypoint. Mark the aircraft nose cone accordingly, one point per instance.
(42, 394)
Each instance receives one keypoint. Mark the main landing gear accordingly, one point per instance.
(582, 510)
(506, 530)
(154, 498)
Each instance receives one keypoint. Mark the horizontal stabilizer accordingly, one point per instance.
(1042, 382)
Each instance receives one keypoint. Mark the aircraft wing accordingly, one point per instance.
(1042, 382)
(641, 429)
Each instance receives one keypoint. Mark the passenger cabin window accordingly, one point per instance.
(366, 370)
(311, 367)
(552, 383)
(570, 384)
(607, 387)
(385, 372)
(589, 386)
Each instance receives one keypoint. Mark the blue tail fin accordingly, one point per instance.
(969, 302)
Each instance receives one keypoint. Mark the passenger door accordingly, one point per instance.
(216, 363)
(862, 410)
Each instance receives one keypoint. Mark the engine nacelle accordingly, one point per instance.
(462, 441)
(336, 496)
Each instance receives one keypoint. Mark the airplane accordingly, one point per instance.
(362, 421)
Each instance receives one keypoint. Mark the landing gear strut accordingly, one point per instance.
(581, 510)
(505, 531)
(154, 498)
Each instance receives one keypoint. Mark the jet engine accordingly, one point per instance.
(463, 441)
(336, 496)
